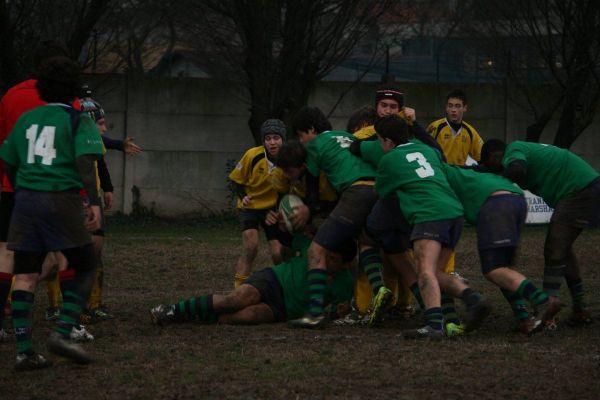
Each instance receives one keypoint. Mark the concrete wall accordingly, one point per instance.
(190, 129)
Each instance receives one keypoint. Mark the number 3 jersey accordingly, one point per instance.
(44, 149)
(328, 152)
(414, 172)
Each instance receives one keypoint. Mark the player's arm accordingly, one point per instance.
(516, 171)
(105, 183)
(476, 145)
(86, 164)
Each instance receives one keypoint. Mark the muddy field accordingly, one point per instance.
(159, 262)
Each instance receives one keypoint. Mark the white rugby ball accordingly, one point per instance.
(286, 208)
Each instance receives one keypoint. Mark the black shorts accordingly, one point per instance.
(252, 219)
(387, 226)
(47, 221)
(499, 224)
(7, 203)
(581, 209)
(348, 218)
(445, 231)
(271, 293)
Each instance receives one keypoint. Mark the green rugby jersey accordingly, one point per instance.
(371, 151)
(293, 277)
(552, 173)
(414, 172)
(44, 150)
(473, 188)
(328, 152)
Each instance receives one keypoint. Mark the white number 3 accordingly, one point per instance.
(425, 169)
(42, 145)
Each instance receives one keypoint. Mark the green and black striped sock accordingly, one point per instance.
(72, 303)
(434, 318)
(22, 303)
(449, 309)
(414, 288)
(553, 276)
(577, 293)
(370, 262)
(200, 308)
(317, 283)
(534, 295)
(517, 304)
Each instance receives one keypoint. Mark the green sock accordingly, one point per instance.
(200, 308)
(414, 288)
(534, 295)
(317, 283)
(72, 303)
(553, 276)
(449, 309)
(22, 303)
(370, 261)
(517, 304)
(577, 293)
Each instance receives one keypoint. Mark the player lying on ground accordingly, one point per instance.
(273, 294)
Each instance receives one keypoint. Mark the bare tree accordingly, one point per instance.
(278, 49)
(25, 23)
(551, 54)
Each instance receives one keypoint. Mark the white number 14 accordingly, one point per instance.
(42, 145)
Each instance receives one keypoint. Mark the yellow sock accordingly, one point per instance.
(238, 280)
(451, 261)
(363, 293)
(53, 289)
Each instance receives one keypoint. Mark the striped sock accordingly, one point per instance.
(414, 288)
(553, 276)
(200, 308)
(317, 283)
(517, 304)
(370, 262)
(5, 282)
(449, 309)
(434, 318)
(577, 293)
(72, 303)
(22, 303)
(534, 295)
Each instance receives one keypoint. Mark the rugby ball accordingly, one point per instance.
(286, 208)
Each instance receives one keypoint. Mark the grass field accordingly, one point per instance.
(155, 262)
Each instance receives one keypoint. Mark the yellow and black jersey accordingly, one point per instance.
(259, 176)
(456, 145)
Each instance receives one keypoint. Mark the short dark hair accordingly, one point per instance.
(310, 117)
(291, 154)
(364, 115)
(59, 80)
(393, 127)
(491, 146)
(457, 94)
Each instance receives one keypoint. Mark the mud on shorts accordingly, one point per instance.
(581, 209)
(499, 224)
(388, 227)
(7, 203)
(349, 216)
(252, 219)
(271, 293)
(446, 231)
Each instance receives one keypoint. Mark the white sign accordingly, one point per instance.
(538, 212)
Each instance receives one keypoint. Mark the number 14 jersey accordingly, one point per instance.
(43, 148)
(414, 172)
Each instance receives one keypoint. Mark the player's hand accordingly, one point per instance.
(108, 200)
(131, 148)
(92, 222)
(300, 216)
(272, 218)
(246, 201)
(410, 113)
